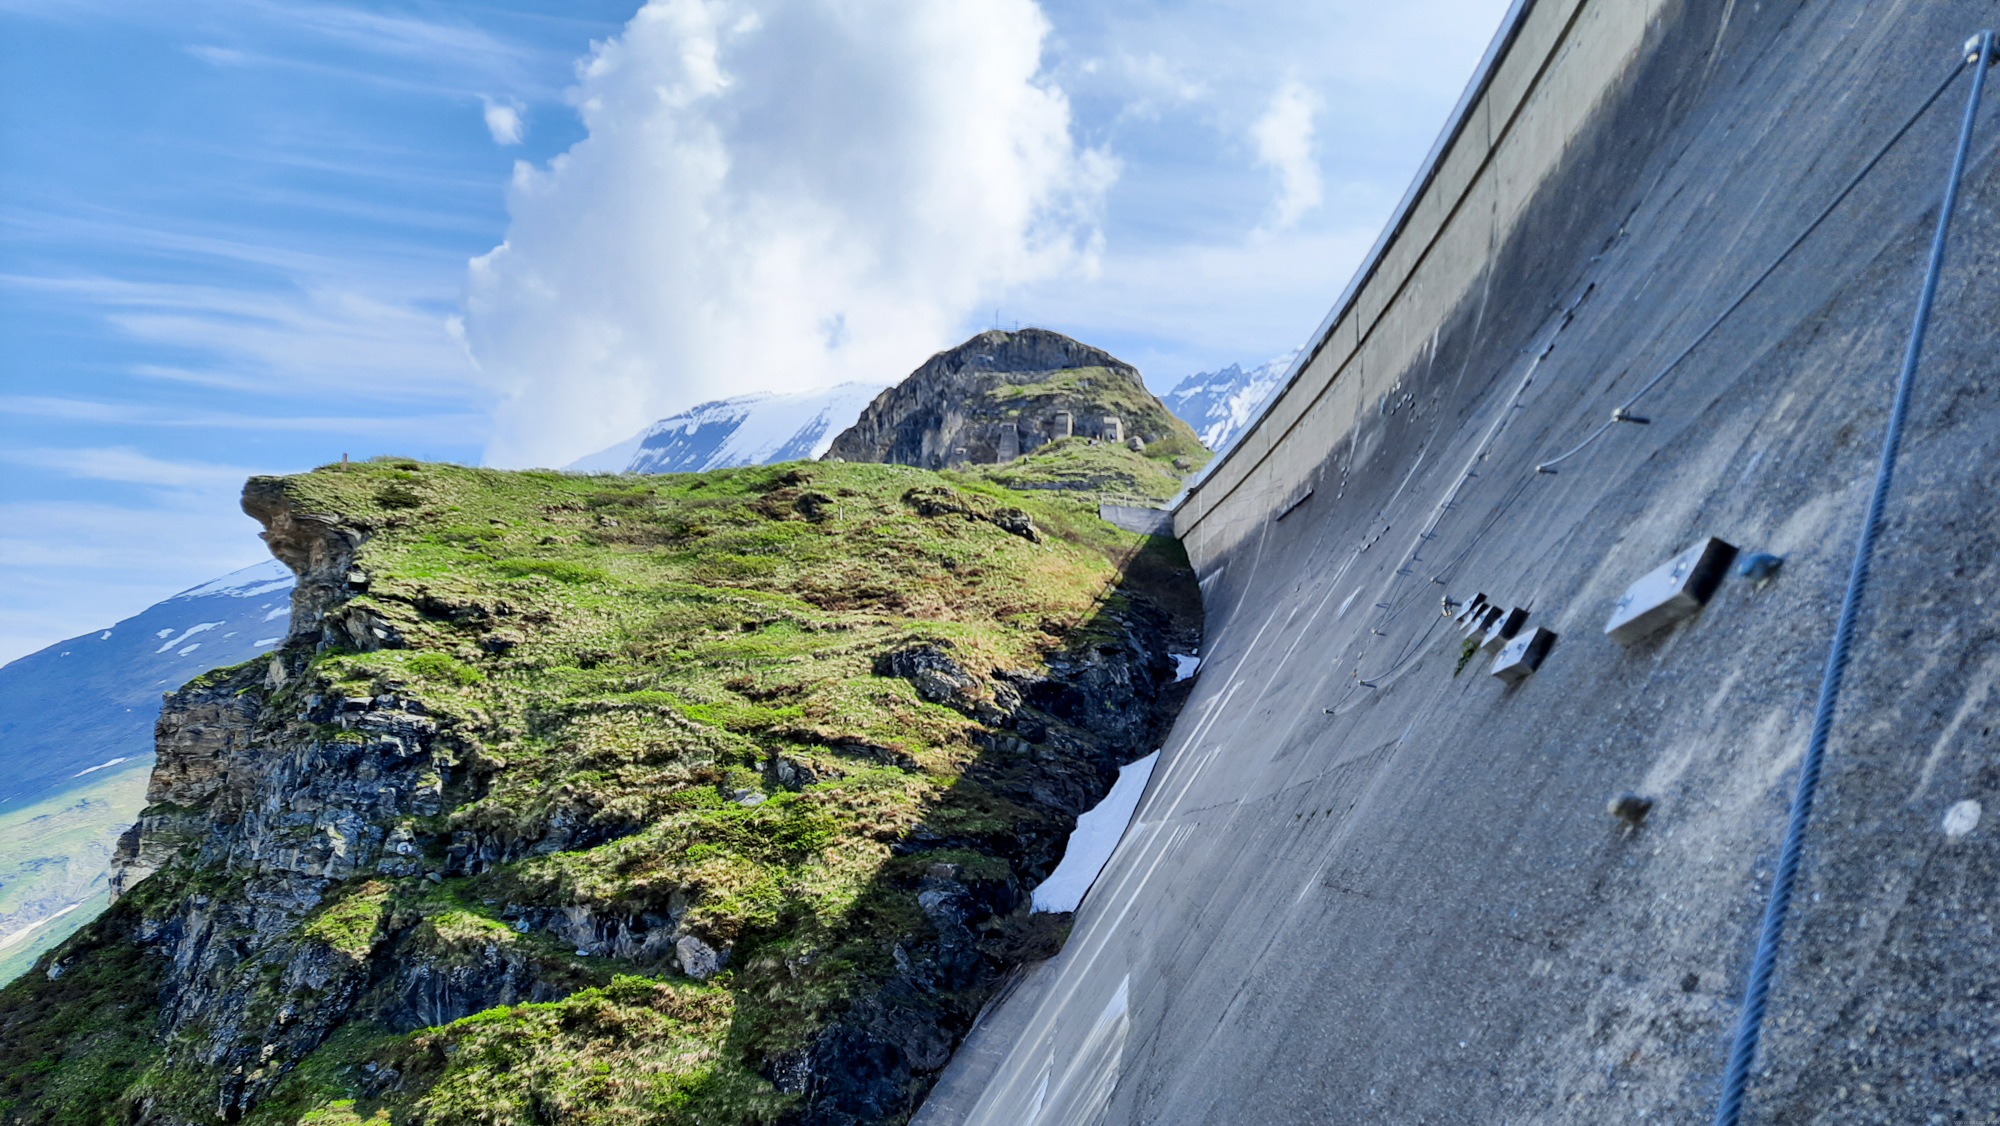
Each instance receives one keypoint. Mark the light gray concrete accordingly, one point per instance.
(1361, 888)
(1137, 518)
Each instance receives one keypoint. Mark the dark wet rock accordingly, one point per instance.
(1016, 522)
(939, 500)
(932, 671)
(1629, 808)
(816, 507)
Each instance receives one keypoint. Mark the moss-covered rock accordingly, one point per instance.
(710, 797)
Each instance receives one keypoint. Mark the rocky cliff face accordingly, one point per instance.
(744, 776)
(1002, 394)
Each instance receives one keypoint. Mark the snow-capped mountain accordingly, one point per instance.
(83, 703)
(1219, 404)
(746, 430)
(76, 743)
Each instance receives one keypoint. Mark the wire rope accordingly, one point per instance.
(1763, 963)
(1623, 412)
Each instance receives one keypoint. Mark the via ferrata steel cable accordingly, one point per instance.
(1623, 412)
(1757, 992)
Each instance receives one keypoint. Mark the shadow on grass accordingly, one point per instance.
(856, 1021)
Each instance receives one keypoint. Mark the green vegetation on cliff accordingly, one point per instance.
(711, 797)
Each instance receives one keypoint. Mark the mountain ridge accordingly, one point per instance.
(1001, 394)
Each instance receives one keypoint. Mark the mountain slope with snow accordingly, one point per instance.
(84, 702)
(76, 743)
(747, 430)
(1220, 404)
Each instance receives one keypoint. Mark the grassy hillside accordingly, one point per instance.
(810, 717)
(52, 858)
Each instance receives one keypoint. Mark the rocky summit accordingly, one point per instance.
(704, 797)
(1000, 395)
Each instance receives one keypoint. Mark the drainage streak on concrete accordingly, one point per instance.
(1360, 889)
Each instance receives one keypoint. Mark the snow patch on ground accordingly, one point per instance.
(1097, 835)
(191, 631)
(1185, 665)
(21, 935)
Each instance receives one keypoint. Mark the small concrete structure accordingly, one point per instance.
(1503, 629)
(1135, 518)
(1523, 655)
(1474, 607)
(1670, 592)
(1482, 620)
(1111, 429)
(1064, 425)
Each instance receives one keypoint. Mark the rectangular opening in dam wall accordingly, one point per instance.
(1670, 592)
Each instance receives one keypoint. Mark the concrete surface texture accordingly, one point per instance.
(1362, 887)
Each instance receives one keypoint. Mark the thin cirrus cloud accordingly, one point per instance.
(126, 465)
(50, 549)
(397, 427)
(775, 196)
(354, 334)
(182, 511)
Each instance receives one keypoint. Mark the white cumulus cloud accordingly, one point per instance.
(1284, 139)
(775, 196)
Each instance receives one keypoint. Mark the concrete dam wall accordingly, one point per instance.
(1366, 885)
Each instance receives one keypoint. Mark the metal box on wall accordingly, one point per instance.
(1523, 655)
(1670, 592)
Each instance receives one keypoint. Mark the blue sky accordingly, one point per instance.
(240, 236)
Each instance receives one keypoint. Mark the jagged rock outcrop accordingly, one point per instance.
(1002, 394)
(510, 753)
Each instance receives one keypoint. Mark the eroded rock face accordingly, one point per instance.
(318, 549)
(284, 789)
(1004, 394)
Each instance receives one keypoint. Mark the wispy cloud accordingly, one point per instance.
(503, 120)
(1153, 82)
(328, 334)
(128, 466)
(1284, 140)
(468, 428)
(217, 56)
(53, 551)
(402, 36)
(125, 547)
